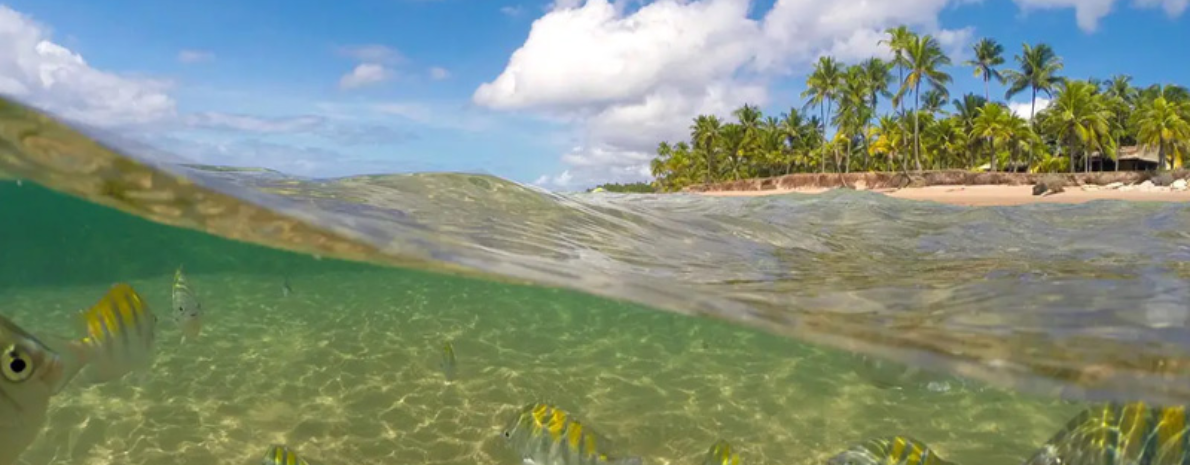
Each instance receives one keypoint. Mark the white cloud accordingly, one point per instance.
(39, 72)
(1022, 108)
(195, 56)
(365, 74)
(1088, 12)
(512, 11)
(635, 78)
(438, 73)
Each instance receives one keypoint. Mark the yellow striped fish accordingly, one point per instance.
(544, 435)
(30, 373)
(721, 454)
(281, 455)
(120, 335)
(1120, 433)
(894, 450)
(187, 309)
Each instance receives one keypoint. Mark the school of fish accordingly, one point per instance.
(119, 333)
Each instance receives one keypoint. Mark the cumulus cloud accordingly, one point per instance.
(365, 74)
(37, 71)
(633, 78)
(1021, 109)
(195, 56)
(1088, 12)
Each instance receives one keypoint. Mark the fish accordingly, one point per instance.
(30, 374)
(120, 335)
(286, 290)
(279, 454)
(448, 363)
(891, 450)
(542, 434)
(720, 453)
(187, 309)
(1117, 432)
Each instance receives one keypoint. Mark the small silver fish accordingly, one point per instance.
(894, 450)
(544, 435)
(721, 454)
(1124, 433)
(448, 363)
(281, 455)
(30, 373)
(120, 335)
(286, 289)
(187, 309)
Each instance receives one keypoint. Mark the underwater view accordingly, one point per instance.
(421, 319)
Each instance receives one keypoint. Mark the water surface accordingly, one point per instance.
(1038, 308)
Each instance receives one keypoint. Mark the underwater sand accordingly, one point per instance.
(345, 371)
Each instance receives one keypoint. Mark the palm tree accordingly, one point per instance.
(899, 40)
(993, 124)
(988, 55)
(925, 60)
(878, 74)
(821, 87)
(1164, 124)
(967, 110)
(705, 135)
(854, 109)
(1039, 66)
(1079, 115)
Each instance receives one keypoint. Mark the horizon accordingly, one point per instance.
(563, 95)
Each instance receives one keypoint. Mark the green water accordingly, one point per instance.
(345, 369)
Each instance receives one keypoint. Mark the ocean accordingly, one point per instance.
(791, 326)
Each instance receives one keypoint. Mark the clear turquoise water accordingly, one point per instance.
(663, 322)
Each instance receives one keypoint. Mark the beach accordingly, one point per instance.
(993, 195)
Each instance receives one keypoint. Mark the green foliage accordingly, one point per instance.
(631, 188)
(1086, 119)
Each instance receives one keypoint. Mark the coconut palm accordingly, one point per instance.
(898, 41)
(994, 124)
(705, 135)
(1039, 67)
(821, 87)
(1078, 115)
(925, 60)
(988, 55)
(1166, 125)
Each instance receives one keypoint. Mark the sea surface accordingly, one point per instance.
(792, 326)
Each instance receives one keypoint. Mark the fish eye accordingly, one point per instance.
(15, 364)
(507, 434)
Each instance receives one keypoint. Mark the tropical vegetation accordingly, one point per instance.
(839, 128)
(630, 188)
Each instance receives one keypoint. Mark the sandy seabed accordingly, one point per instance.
(991, 195)
(345, 371)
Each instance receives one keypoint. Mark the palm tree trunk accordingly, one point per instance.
(916, 118)
(1072, 153)
(822, 155)
(1032, 114)
(1160, 155)
(1117, 154)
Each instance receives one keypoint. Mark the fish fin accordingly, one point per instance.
(628, 461)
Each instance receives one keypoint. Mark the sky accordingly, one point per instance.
(563, 94)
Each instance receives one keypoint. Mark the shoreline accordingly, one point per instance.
(987, 195)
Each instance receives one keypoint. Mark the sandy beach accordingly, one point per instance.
(993, 195)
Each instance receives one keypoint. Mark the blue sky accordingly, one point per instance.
(564, 94)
